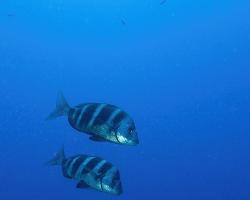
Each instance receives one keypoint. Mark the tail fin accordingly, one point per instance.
(58, 158)
(62, 107)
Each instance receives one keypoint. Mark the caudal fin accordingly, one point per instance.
(58, 158)
(62, 107)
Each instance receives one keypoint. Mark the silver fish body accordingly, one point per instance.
(90, 172)
(102, 122)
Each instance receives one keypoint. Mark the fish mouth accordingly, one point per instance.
(134, 142)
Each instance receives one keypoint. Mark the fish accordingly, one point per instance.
(89, 172)
(100, 121)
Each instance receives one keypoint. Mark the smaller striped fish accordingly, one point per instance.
(102, 122)
(90, 172)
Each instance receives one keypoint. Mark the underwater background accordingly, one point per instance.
(180, 68)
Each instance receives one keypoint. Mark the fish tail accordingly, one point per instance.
(58, 158)
(62, 107)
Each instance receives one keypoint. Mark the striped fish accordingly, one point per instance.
(90, 172)
(102, 122)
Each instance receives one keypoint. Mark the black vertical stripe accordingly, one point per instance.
(104, 115)
(115, 178)
(86, 117)
(71, 112)
(91, 165)
(118, 118)
(75, 115)
(65, 167)
(77, 164)
(67, 163)
(103, 170)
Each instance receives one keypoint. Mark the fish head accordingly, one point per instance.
(127, 134)
(111, 183)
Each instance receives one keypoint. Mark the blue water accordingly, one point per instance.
(181, 69)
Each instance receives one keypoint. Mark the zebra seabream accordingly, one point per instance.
(90, 172)
(102, 122)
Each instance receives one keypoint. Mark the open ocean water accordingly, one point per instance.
(180, 68)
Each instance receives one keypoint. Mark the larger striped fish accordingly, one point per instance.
(90, 172)
(102, 122)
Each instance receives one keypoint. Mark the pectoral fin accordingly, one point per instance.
(82, 185)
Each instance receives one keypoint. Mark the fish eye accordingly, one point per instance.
(130, 130)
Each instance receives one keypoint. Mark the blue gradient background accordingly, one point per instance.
(181, 69)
